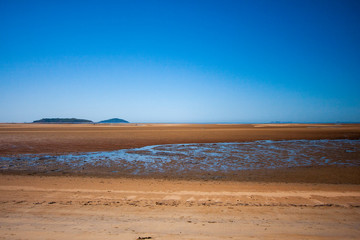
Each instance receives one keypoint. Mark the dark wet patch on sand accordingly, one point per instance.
(178, 159)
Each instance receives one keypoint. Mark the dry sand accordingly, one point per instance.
(261, 206)
(34, 207)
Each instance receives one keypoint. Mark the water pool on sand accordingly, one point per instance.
(195, 157)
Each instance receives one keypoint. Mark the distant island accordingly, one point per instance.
(62, 120)
(76, 120)
(114, 120)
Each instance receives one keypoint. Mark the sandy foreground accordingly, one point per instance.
(296, 203)
(35, 207)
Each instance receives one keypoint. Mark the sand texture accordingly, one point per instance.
(35, 207)
(67, 138)
(318, 201)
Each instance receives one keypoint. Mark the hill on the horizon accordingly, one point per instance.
(114, 120)
(62, 120)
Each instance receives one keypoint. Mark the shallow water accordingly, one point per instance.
(210, 157)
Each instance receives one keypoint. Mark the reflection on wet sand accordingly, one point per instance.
(194, 158)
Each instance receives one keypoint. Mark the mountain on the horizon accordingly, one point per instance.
(114, 120)
(62, 120)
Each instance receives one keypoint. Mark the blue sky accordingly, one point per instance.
(180, 61)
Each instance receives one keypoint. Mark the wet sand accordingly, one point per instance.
(68, 138)
(316, 161)
(284, 203)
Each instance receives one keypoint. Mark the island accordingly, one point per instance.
(114, 120)
(62, 120)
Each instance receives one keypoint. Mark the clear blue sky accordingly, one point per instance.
(180, 61)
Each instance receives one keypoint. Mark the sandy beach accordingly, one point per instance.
(67, 138)
(313, 202)
(35, 207)
(169, 120)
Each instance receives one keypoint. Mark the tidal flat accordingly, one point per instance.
(180, 181)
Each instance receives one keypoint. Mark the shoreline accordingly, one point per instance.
(298, 175)
(319, 161)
